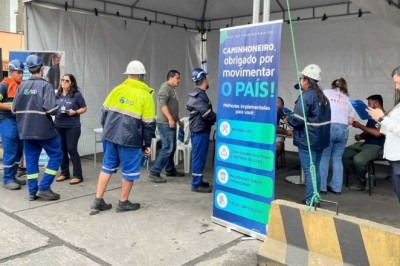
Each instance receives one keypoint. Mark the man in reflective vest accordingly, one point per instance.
(128, 120)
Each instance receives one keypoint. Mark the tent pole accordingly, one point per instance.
(266, 10)
(256, 11)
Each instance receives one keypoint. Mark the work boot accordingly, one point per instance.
(21, 171)
(33, 197)
(20, 181)
(175, 173)
(12, 186)
(48, 195)
(124, 206)
(156, 178)
(100, 205)
(202, 189)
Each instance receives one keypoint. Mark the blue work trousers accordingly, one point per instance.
(200, 142)
(32, 149)
(12, 148)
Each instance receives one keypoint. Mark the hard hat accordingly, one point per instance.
(312, 71)
(135, 68)
(198, 74)
(15, 65)
(34, 61)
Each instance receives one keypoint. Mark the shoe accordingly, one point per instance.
(334, 192)
(205, 184)
(100, 205)
(62, 178)
(20, 182)
(357, 187)
(202, 189)
(175, 173)
(323, 192)
(48, 195)
(21, 172)
(12, 186)
(156, 178)
(33, 197)
(125, 206)
(75, 181)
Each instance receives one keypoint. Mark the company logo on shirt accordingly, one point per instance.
(30, 91)
(122, 100)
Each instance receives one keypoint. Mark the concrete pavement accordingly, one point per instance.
(173, 227)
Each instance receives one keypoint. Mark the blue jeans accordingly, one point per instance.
(396, 176)
(166, 157)
(305, 164)
(339, 136)
(12, 148)
(200, 142)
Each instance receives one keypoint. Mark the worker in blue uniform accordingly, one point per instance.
(12, 144)
(202, 118)
(34, 103)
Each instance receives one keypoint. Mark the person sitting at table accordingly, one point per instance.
(281, 132)
(357, 156)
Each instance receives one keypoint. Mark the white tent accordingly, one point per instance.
(359, 43)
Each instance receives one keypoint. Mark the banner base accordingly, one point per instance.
(239, 229)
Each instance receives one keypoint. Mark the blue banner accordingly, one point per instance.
(245, 154)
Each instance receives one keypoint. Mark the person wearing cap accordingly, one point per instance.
(202, 118)
(167, 118)
(33, 105)
(317, 113)
(12, 144)
(128, 119)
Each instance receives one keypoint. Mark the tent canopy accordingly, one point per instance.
(215, 14)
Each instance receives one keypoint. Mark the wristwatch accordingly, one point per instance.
(381, 119)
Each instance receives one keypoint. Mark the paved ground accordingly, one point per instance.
(173, 227)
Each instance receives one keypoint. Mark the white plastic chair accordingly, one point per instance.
(154, 142)
(184, 148)
(97, 139)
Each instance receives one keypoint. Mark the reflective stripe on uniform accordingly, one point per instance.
(50, 172)
(32, 176)
(312, 124)
(133, 174)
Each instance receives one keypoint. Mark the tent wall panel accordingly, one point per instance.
(97, 50)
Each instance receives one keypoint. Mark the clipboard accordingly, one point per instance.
(360, 108)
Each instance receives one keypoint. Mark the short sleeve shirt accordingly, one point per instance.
(63, 120)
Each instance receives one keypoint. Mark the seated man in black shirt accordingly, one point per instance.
(357, 156)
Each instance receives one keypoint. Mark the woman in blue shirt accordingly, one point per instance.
(71, 105)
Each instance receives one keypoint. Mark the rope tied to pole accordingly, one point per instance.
(316, 197)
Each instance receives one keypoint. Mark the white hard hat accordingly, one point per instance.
(135, 68)
(312, 71)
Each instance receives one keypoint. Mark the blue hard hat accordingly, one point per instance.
(15, 65)
(198, 74)
(33, 61)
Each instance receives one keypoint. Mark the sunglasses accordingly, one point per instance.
(65, 80)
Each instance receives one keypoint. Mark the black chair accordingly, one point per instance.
(370, 172)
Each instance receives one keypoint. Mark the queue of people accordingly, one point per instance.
(26, 109)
